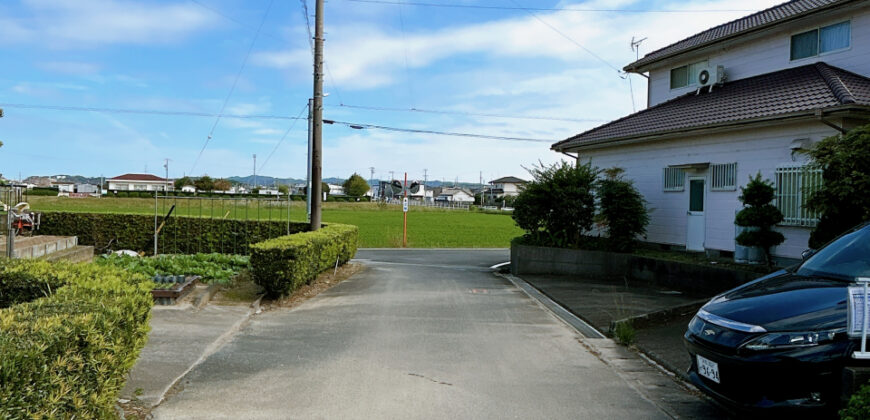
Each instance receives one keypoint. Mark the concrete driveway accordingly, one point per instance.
(417, 334)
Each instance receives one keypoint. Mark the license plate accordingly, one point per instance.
(708, 369)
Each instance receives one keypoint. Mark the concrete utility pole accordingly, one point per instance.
(165, 165)
(310, 148)
(316, 152)
(255, 170)
(372, 180)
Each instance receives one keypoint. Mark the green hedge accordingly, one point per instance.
(283, 264)
(41, 191)
(180, 235)
(68, 336)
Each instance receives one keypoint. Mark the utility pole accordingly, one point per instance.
(255, 170)
(372, 180)
(166, 165)
(425, 181)
(310, 148)
(391, 176)
(316, 152)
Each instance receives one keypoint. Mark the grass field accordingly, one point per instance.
(380, 227)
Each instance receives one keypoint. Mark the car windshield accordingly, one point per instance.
(846, 258)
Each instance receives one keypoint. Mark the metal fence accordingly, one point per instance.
(449, 205)
(274, 209)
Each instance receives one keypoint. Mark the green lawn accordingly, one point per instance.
(380, 227)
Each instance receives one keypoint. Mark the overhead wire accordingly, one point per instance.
(548, 9)
(298, 117)
(359, 126)
(144, 111)
(471, 114)
(235, 83)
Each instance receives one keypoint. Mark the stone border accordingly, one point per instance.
(693, 279)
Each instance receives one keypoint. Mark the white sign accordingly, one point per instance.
(405, 204)
(856, 310)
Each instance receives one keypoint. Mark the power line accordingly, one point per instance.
(298, 117)
(549, 9)
(235, 83)
(146, 111)
(359, 126)
(471, 114)
(572, 40)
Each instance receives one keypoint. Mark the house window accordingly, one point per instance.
(687, 75)
(674, 179)
(723, 177)
(794, 186)
(821, 40)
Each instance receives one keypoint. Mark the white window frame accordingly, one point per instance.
(723, 177)
(673, 179)
(818, 30)
(690, 81)
(794, 185)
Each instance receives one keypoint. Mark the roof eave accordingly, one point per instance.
(809, 115)
(634, 67)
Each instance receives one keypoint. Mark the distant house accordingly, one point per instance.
(188, 189)
(336, 189)
(139, 182)
(269, 191)
(509, 185)
(744, 97)
(64, 187)
(455, 195)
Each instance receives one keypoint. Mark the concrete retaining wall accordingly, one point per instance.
(689, 278)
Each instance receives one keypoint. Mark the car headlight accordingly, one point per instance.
(791, 340)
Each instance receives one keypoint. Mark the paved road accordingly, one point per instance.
(418, 334)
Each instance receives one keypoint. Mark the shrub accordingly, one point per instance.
(858, 407)
(622, 211)
(181, 235)
(283, 264)
(844, 198)
(557, 206)
(759, 214)
(67, 344)
(41, 192)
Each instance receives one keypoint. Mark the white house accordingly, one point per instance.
(139, 182)
(509, 185)
(64, 187)
(336, 189)
(188, 189)
(455, 195)
(740, 98)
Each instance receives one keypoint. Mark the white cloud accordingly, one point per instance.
(83, 23)
(77, 68)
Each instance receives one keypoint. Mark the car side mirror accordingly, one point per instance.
(808, 253)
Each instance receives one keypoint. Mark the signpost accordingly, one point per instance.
(405, 213)
(857, 324)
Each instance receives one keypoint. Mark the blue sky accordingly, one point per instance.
(184, 55)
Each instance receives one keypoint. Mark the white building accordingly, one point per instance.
(139, 182)
(188, 189)
(64, 187)
(455, 195)
(727, 103)
(508, 185)
(336, 189)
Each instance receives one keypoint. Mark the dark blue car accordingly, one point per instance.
(780, 342)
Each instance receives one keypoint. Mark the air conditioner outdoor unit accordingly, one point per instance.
(711, 76)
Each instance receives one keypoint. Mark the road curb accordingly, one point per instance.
(205, 296)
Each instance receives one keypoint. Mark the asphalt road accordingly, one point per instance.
(417, 334)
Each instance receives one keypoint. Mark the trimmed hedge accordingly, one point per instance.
(283, 264)
(180, 235)
(68, 336)
(41, 191)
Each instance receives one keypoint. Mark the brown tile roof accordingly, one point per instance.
(507, 180)
(801, 89)
(774, 15)
(137, 177)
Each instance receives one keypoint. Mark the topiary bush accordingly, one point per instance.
(622, 211)
(844, 198)
(68, 336)
(557, 207)
(759, 214)
(281, 265)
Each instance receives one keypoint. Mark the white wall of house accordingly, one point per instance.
(138, 186)
(770, 52)
(759, 149)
